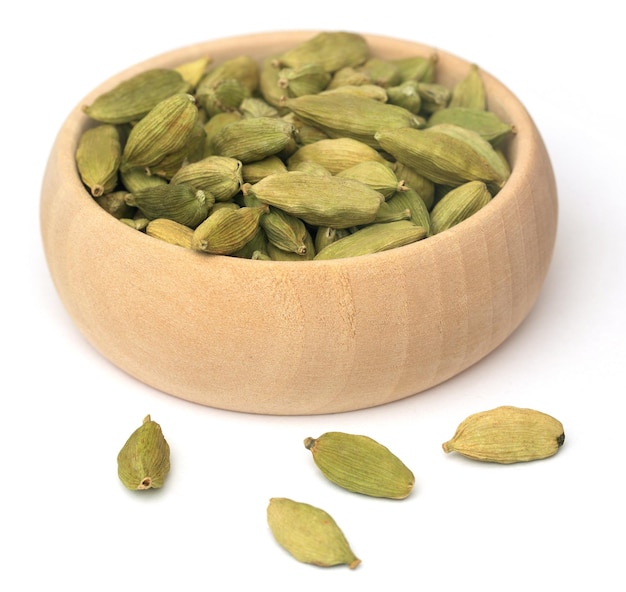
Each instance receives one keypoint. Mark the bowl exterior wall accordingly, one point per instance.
(302, 338)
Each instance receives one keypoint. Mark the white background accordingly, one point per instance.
(67, 523)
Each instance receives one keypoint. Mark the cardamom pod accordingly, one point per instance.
(319, 199)
(376, 175)
(170, 231)
(134, 98)
(417, 68)
(507, 435)
(163, 131)
(194, 70)
(382, 72)
(98, 158)
(444, 157)
(243, 68)
(351, 116)
(411, 200)
(115, 204)
(227, 230)
(458, 204)
(333, 50)
(361, 465)
(309, 534)
(253, 172)
(252, 139)
(374, 238)
(406, 95)
(306, 79)
(221, 176)
(335, 154)
(182, 203)
(470, 91)
(486, 123)
(144, 460)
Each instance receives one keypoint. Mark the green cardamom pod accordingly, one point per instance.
(376, 175)
(306, 79)
(182, 203)
(351, 116)
(252, 172)
(252, 139)
(507, 435)
(134, 98)
(319, 199)
(98, 158)
(412, 201)
(470, 91)
(443, 157)
(413, 180)
(227, 230)
(335, 154)
(361, 465)
(458, 204)
(221, 176)
(243, 68)
(164, 130)
(406, 95)
(382, 72)
(115, 204)
(417, 68)
(486, 123)
(374, 238)
(309, 534)
(144, 460)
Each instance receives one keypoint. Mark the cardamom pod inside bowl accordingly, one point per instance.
(301, 337)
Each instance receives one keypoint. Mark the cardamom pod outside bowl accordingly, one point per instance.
(298, 338)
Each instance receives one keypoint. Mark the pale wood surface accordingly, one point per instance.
(302, 338)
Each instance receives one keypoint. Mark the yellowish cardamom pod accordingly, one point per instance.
(507, 435)
(309, 534)
(144, 460)
(194, 70)
(333, 50)
(360, 464)
(170, 232)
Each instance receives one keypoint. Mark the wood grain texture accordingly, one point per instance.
(309, 337)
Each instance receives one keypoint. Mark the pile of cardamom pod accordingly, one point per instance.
(358, 464)
(321, 152)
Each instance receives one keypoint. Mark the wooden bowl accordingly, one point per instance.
(291, 338)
